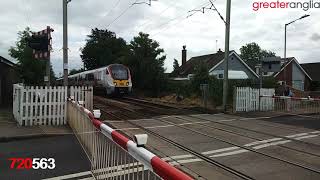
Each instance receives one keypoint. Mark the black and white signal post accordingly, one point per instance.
(41, 45)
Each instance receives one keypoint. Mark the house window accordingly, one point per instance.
(298, 84)
(220, 76)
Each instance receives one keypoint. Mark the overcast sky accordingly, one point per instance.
(166, 22)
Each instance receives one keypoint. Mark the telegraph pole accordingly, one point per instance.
(65, 42)
(226, 56)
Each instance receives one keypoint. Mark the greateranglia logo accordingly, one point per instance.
(305, 5)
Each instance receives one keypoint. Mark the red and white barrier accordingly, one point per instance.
(147, 158)
(294, 98)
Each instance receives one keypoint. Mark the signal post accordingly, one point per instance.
(40, 43)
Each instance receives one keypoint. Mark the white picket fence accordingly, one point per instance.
(247, 99)
(37, 105)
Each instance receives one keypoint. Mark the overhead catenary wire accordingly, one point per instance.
(211, 6)
(114, 6)
(121, 14)
(163, 26)
(152, 19)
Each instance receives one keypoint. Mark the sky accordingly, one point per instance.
(168, 23)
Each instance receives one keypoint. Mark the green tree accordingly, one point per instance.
(32, 71)
(175, 65)
(201, 76)
(102, 48)
(146, 62)
(252, 53)
(175, 68)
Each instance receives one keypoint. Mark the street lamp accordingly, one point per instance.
(285, 33)
(285, 42)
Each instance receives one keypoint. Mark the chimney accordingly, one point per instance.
(184, 55)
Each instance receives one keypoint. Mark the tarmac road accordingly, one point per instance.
(65, 149)
(201, 133)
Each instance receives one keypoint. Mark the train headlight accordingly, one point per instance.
(115, 84)
(127, 83)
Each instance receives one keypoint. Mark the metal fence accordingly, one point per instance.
(294, 105)
(112, 155)
(37, 105)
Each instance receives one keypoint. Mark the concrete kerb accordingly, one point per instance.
(10, 130)
(27, 137)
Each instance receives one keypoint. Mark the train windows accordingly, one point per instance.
(119, 72)
(90, 77)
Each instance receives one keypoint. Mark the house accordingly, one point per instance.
(8, 76)
(313, 70)
(238, 69)
(270, 65)
(290, 72)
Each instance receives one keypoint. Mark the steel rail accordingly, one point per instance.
(240, 146)
(247, 129)
(199, 155)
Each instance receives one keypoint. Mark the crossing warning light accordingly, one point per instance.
(40, 42)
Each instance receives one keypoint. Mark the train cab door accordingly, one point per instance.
(105, 77)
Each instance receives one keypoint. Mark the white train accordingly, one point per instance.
(111, 79)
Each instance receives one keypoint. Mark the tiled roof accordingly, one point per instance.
(288, 61)
(313, 70)
(210, 60)
(6, 61)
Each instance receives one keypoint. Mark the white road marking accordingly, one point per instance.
(220, 150)
(230, 153)
(315, 132)
(263, 141)
(164, 126)
(226, 120)
(178, 157)
(185, 161)
(304, 137)
(190, 123)
(236, 150)
(297, 135)
(271, 144)
(188, 158)
(154, 127)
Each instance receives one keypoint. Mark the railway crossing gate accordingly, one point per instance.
(111, 154)
(37, 105)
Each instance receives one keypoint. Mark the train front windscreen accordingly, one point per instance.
(119, 72)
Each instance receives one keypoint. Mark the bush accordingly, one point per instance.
(215, 93)
(180, 88)
(216, 89)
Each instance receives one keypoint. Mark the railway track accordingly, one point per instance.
(151, 107)
(182, 147)
(141, 103)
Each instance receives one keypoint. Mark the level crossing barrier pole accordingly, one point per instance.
(113, 155)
